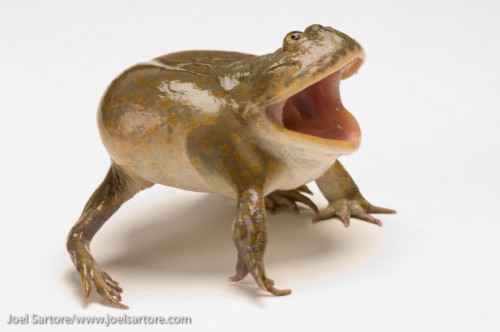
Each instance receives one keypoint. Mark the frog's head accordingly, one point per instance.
(297, 93)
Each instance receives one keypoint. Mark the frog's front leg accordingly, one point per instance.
(344, 198)
(289, 199)
(250, 237)
(116, 189)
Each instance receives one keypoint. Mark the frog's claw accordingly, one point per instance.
(289, 199)
(250, 237)
(345, 199)
(92, 277)
(116, 188)
(357, 208)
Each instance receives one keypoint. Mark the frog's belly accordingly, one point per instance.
(299, 171)
(166, 160)
(177, 170)
(174, 170)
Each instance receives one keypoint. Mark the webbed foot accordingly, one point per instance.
(355, 207)
(92, 277)
(289, 199)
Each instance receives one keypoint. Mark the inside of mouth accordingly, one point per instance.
(317, 111)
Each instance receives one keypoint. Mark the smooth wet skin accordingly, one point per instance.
(255, 128)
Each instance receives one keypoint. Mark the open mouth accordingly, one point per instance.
(317, 110)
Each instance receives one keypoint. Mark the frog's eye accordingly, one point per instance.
(294, 37)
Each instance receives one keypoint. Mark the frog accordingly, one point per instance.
(255, 128)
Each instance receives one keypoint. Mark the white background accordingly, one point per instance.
(427, 100)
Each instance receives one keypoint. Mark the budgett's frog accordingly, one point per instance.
(255, 128)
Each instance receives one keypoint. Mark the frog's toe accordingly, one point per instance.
(85, 279)
(304, 189)
(108, 289)
(378, 209)
(277, 199)
(92, 277)
(275, 291)
(111, 283)
(361, 215)
(279, 292)
(358, 208)
(289, 199)
(241, 271)
(267, 284)
(234, 278)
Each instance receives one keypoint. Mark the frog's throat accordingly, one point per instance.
(316, 113)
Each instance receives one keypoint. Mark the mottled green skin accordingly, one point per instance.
(194, 120)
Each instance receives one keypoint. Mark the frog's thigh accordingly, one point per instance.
(250, 237)
(116, 188)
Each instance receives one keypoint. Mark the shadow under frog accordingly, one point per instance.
(177, 248)
(254, 128)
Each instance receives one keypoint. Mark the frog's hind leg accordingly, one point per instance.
(250, 237)
(344, 198)
(116, 189)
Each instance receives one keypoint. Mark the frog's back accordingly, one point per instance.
(203, 62)
(180, 76)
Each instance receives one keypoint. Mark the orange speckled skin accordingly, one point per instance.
(175, 124)
(195, 120)
(189, 119)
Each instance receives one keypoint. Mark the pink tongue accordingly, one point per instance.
(318, 111)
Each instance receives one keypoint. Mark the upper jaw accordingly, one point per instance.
(315, 116)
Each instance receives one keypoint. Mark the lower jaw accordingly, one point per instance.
(304, 144)
(337, 125)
